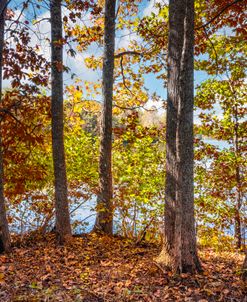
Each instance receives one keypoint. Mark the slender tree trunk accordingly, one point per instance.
(4, 230)
(104, 220)
(244, 268)
(238, 235)
(237, 216)
(179, 251)
(63, 227)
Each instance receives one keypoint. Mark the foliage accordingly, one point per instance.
(139, 187)
(222, 103)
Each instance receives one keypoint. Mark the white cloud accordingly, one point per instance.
(124, 39)
(151, 7)
(40, 35)
(79, 68)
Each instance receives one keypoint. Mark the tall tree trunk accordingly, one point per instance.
(244, 268)
(237, 216)
(104, 219)
(4, 230)
(179, 251)
(63, 227)
(238, 235)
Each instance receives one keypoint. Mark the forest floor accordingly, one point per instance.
(100, 269)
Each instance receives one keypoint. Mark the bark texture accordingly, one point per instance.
(104, 219)
(238, 204)
(63, 227)
(244, 268)
(237, 216)
(179, 251)
(4, 230)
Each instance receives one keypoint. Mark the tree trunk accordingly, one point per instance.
(63, 227)
(179, 251)
(237, 217)
(4, 229)
(244, 268)
(237, 233)
(104, 220)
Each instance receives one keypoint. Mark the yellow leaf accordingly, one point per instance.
(1, 277)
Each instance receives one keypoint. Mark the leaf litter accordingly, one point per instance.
(93, 268)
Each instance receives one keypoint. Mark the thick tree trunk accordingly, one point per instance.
(63, 227)
(4, 230)
(179, 251)
(104, 220)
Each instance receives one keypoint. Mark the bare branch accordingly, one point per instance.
(123, 76)
(128, 52)
(41, 20)
(135, 108)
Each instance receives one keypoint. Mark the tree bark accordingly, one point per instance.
(179, 251)
(237, 216)
(4, 229)
(104, 219)
(244, 268)
(63, 227)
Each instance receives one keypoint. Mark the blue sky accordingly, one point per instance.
(77, 64)
(78, 67)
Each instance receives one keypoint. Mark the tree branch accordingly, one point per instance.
(123, 76)
(215, 52)
(135, 108)
(128, 52)
(218, 14)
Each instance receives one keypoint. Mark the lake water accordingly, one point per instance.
(84, 217)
